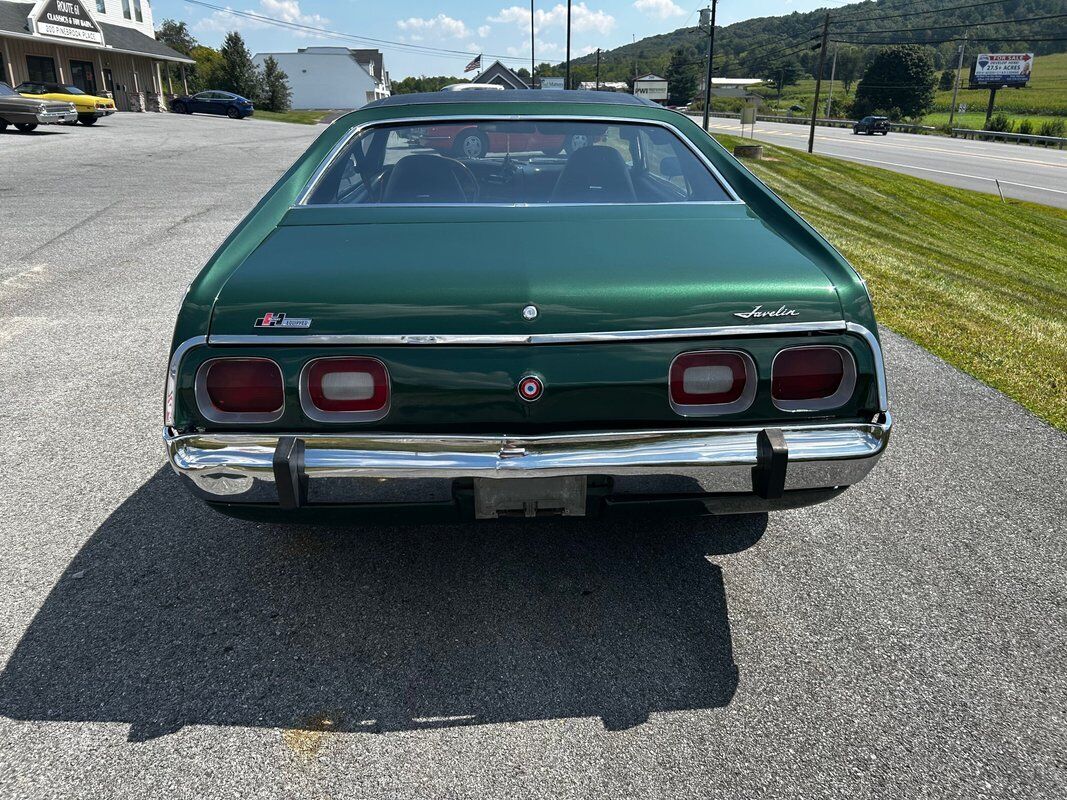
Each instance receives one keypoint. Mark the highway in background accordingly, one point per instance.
(1025, 173)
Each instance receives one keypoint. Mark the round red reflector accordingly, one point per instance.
(245, 385)
(710, 378)
(531, 387)
(348, 384)
(807, 373)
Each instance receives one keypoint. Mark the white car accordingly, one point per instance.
(462, 87)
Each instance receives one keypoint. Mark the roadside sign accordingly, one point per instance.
(748, 115)
(963, 108)
(551, 83)
(1002, 69)
(64, 19)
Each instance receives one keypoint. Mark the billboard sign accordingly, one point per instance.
(551, 83)
(1002, 69)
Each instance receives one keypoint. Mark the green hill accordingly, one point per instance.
(758, 47)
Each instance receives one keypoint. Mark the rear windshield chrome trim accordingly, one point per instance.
(313, 182)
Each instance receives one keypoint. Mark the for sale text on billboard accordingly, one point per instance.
(1003, 69)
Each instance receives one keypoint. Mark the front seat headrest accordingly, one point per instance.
(594, 174)
(423, 178)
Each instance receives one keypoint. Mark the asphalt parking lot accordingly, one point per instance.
(903, 640)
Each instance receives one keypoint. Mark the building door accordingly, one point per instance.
(83, 75)
(109, 80)
(41, 69)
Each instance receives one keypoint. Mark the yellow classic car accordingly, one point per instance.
(90, 108)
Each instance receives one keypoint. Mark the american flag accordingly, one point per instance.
(476, 63)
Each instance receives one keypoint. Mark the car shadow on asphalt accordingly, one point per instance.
(173, 615)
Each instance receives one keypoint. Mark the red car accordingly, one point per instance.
(470, 140)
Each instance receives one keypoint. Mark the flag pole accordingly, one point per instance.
(533, 69)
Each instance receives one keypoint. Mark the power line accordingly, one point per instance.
(386, 43)
(957, 25)
(960, 39)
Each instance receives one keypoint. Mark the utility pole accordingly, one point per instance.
(711, 55)
(833, 73)
(598, 69)
(818, 82)
(567, 82)
(533, 69)
(989, 108)
(956, 85)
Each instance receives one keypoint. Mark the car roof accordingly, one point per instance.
(475, 96)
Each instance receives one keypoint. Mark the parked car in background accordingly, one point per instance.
(90, 108)
(26, 113)
(639, 324)
(872, 125)
(213, 102)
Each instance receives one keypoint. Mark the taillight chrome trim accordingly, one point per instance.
(835, 400)
(742, 403)
(212, 413)
(311, 411)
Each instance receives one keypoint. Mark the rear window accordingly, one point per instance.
(516, 162)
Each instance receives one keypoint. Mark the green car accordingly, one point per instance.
(633, 323)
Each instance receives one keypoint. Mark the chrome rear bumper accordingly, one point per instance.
(308, 470)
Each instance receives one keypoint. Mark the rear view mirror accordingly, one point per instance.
(670, 167)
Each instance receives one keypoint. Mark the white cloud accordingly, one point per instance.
(582, 18)
(441, 26)
(484, 30)
(660, 9)
(286, 10)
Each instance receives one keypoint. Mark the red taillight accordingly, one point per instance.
(346, 386)
(712, 382)
(251, 387)
(812, 377)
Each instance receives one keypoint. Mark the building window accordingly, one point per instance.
(126, 9)
(41, 69)
(137, 10)
(100, 9)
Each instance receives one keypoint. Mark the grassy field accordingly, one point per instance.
(1045, 97)
(1046, 94)
(981, 283)
(977, 119)
(299, 117)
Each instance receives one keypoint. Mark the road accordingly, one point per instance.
(1025, 173)
(903, 640)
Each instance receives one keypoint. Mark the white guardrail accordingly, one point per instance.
(1058, 142)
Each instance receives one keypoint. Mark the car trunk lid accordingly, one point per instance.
(471, 270)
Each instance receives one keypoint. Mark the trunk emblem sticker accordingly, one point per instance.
(530, 312)
(759, 312)
(531, 388)
(278, 320)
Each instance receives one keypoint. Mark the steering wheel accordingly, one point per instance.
(466, 179)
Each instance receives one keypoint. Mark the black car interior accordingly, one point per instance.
(596, 172)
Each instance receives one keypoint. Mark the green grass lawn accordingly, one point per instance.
(981, 283)
(299, 117)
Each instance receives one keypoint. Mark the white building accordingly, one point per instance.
(651, 87)
(332, 77)
(100, 46)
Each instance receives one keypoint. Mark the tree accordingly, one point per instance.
(205, 74)
(176, 36)
(681, 77)
(899, 78)
(947, 80)
(275, 94)
(849, 63)
(424, 83)
(236, 72)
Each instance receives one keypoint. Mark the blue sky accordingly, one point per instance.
(498, 27)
